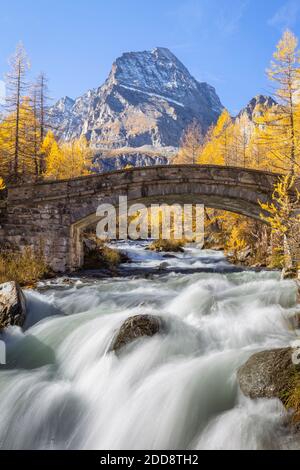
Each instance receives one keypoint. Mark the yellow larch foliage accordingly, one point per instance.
(47, 143)
(283, 219)
(239, 154)
(69, 160)
(190, 145)
(27, 139)
(280, 212)
(235, 242)
(280, 126)
(218, 145)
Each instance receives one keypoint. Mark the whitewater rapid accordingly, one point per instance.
(63, 389)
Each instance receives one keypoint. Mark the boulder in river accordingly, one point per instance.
(136, 327)
(163, 265)
(173, 246)
(267, 374)
(12, 305)
(294, 321)
(289, 273)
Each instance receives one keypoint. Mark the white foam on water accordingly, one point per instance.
(64, 389)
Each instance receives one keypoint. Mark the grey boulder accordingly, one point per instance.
(267, 374)
(12, 305)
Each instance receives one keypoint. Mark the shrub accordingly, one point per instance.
(111, 257)
(167, 245)
(276, 258)
(24, 267)
(101, 256)
(291, 398)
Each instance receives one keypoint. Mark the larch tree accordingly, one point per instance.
(281, 124)
(42, 107)
(218, 144)
(258, 151)
(55, 162)
(282, 217)
(48, 143)
(17, 88)
(5, 150)
(190, 145)
(225, 136)
(240, 142)
(34, 137)
(70, 160)
(26, 143)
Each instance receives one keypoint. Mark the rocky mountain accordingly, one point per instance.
(146, 102)
(256, 106)
(248, 116)
(132, 159)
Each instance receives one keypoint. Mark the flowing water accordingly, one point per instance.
(63, 389)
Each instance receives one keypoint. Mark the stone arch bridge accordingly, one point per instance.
(55, 213)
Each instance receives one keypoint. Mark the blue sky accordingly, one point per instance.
(228, 43)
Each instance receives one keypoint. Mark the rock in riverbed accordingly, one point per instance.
(289, 273)
(12, 305)
(294, 321)
(134, 328)
(267, 374)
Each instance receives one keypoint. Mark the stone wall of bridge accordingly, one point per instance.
(52, 215)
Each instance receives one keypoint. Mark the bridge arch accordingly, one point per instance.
(55, 213)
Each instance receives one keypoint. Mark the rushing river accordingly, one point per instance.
(62, 389)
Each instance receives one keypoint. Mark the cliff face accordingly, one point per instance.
(258, 104)
(147, 101)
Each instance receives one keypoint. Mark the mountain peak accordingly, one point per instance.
(148, 99)
(65, 104)
(255, 105)
(157, 71)
(164, 52)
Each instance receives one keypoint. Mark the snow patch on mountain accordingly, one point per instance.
(170, 100)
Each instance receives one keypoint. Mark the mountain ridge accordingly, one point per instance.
(139, 114)
(148, 99)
